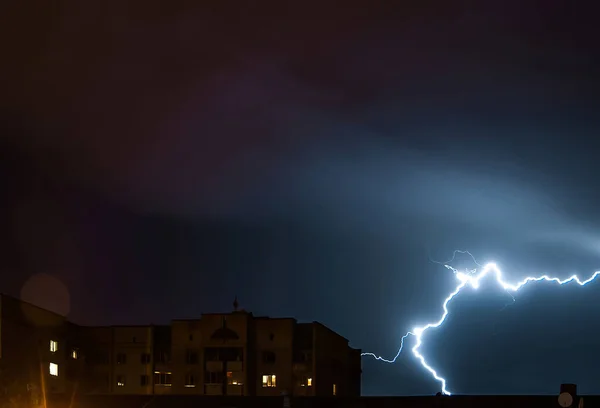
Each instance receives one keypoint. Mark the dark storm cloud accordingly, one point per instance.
(179, 113)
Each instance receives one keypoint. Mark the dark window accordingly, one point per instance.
(299, 357)
(134, 340)
(271, 337)
(268, 357)
(121, 358)
(145, 358)
(191, 337)
(144, 380)
(161, 357)
(302, 357)
(191, 357)
(213, 377)
(231, 354)
(211, 354)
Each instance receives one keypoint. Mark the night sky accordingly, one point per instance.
(156, 161)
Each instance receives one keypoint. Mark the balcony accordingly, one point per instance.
(214, 366)
(235, 366)
(302, 367)
(213, 389)
(235, 390)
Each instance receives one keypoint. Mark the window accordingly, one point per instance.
(144, 380)
(53, 369)
(234, 379)
(191, 337)
(269, 380)
(161, 357)
(145, 358)
(190, 381)
(302, 357)
(121, 358)
(212, 354)
(53, 346)
(334, 389)
(74, 354)
(306, 382)
(134, 340)
(120, 381)
(162, 378)
(268, 357)
(213, 377)
(191, 357)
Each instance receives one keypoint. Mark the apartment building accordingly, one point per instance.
(241, 354)
(37, 354)
(233, 353)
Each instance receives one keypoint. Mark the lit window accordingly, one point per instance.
(269, 380)
(74, 354)
(53, 346)
(190, 381)
(120, 381)
(234, 379)
(53, 369)
(163, 379)
(334, 389)
(306, 382)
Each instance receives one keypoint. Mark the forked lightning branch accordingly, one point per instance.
(470, 278)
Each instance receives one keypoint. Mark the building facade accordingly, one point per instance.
(235, 353)
(241, 354)
(37, 354)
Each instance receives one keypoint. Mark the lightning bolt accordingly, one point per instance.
(470, 278)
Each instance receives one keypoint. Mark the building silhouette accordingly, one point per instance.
(233, 353)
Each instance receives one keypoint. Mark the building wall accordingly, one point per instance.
(96, 347)
(225, 353)
(132, 357)
(332, 362)
(187, 357)
(162, 359)
(354, 373)
(303, 366)
(274, 354)
(27, 333)
(217, 354)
